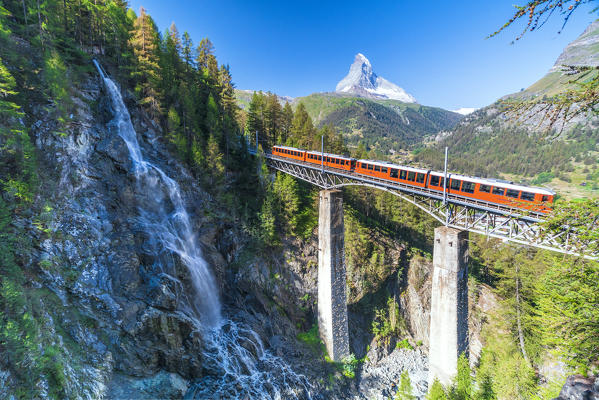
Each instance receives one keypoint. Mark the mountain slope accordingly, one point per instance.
(493, 141)
(582, 51)
(386, 126)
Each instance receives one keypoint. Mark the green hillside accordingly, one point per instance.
(385, 126)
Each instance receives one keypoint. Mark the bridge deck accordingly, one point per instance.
(494, 220)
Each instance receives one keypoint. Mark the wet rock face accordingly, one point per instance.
(578, 387)
(163, 385)
(121, 296)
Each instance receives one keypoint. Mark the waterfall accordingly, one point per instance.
(236, 363)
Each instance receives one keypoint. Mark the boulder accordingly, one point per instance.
(578, 387)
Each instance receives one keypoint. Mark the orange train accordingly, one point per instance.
(488, 190)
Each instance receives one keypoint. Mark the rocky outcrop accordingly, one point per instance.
(578, 387)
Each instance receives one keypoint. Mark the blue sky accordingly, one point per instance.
(435, 50)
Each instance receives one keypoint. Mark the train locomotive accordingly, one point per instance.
(483, 189)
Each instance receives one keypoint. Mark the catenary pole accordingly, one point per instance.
(322, 153)
(445, 189)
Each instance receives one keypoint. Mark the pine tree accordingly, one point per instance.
(144, 41)
(286, 120)
(568, 310)
(463, 381)
(286, 190)
(204, 50)
(171, 67)
(436, 391)
(272, 118)
(303, 134)
(188, 52)
(214, 161)
(255, 117)
(405, 388)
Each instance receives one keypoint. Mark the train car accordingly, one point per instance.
(488, 190)
(289, 152)
(331, 160)
(393, 172)
(413, 176)
(494, 191)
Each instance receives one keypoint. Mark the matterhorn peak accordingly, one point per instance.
(362, 81)
(361, 58)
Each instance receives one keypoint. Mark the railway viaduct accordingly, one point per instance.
(449, 297)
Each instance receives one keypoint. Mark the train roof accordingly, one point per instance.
(288, 148)
(484, 181)
(391, 165)
(497, 182)
(318, 153)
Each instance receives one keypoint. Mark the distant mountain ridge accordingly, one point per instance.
(582, 51)
(361, 81)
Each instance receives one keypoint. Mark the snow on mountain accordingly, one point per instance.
(362, 81)
(465, 110)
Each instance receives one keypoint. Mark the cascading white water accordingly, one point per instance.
(171, 229)
(235, 362)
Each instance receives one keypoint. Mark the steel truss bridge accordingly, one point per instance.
(493, 220)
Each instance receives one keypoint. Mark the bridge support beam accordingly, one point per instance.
(449, 303)
(332, 304)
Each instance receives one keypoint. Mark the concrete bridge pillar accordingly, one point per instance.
(449, 303)
(332, 304)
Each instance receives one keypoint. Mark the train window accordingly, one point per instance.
(484, 188)
(441, 182)
(512, 193)
(434, 180)
(498, 191)
(411, 176)
(370, 167)
(383, 170)
(455, 184)
(402, 174)
(377, 168)
(393, 173)
(468, 187)
(420, 178)
(527, 196)
(545, 198)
